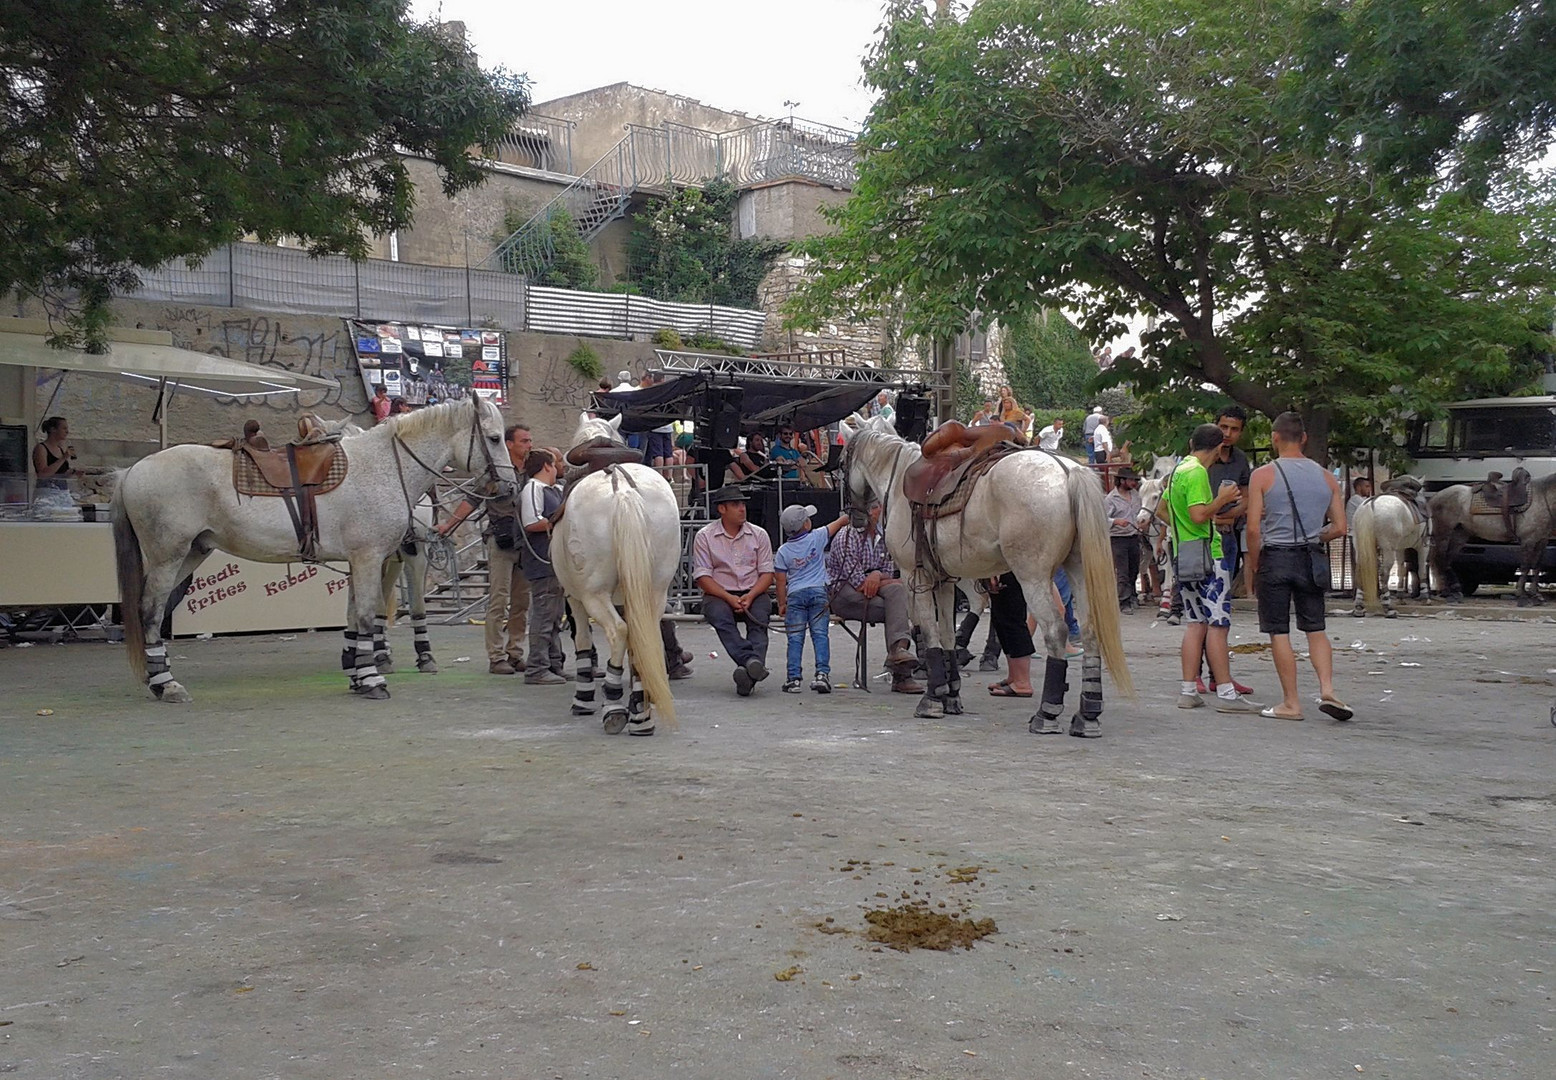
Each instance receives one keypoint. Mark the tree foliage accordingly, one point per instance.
(1289, 223)
(684, 249)
(134, 133)
(1047, 362)
(558, 247)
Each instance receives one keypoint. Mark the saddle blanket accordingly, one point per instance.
(1478, 507)
(248, 480)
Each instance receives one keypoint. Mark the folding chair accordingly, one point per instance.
(861, 649)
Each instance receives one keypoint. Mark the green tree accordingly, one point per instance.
(685, 249)
(556, 245)
(1166, 157)
(1047, 362)
(132, 134)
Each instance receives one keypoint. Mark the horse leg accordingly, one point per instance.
(639, 720)
(1087, 723)
(389, 574)
(932, 705)
(602, 611)
(161, 579)
(1055, 640)
(416, 579)
(584, 657)
(1529, 573)
(1396, 562)
(365, 678)
(952, 698)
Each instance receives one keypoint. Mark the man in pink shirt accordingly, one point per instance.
(732, 563)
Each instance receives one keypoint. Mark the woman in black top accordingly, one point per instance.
(51, 458)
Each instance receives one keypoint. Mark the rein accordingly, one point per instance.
(466, 488)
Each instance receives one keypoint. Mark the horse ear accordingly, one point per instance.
(585, 416)
(615, 422)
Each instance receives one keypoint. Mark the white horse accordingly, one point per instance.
(1032, 513)
(178, 505)
(1155, 530)
(1387, 524)
(619, 543)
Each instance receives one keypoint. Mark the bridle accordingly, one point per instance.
(891, 482)
(467, 488)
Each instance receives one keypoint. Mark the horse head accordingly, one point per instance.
(475, 434)
(1150, 498)
(591, 427)
(1161, 467)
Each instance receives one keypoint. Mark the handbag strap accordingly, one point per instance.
(1290, 495)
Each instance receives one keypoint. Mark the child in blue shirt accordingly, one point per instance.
(801, 568)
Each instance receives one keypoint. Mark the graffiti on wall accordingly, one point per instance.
(266, 341)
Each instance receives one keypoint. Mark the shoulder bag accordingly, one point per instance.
(1192, 560)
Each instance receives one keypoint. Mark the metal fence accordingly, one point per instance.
(288, 280)
(618, 315)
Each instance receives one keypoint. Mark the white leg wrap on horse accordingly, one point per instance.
(367, 671)
(157, 673)
(380, 633)
(613, 681)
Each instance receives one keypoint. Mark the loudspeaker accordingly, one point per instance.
(721, 416)
(912, 416)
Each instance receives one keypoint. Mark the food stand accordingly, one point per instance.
(57, 564)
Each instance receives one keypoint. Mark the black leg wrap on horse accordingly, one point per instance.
(939, 684)
(1087, 723)
(613, 680)
(348, 653)
(1046, 720)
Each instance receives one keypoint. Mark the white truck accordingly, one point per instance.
(1476, 438)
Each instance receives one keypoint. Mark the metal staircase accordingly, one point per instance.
(663, 159)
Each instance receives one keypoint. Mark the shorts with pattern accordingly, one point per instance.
(1210, 601)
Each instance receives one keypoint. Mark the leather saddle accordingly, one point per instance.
(588, 458)
(950, 453)
(1409, 491)
(1505, 497)
(297, 472)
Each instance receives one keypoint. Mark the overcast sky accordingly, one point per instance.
(727, 53)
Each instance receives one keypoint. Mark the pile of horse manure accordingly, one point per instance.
(913, 927)
(1250, 647)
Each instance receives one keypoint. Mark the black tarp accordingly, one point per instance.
(805, 403)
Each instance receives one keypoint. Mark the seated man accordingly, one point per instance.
(732, 563)
(865, 586)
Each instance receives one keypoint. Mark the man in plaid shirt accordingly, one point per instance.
(865, 586)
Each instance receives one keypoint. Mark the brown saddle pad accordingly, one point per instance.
(1479, 507)
(321, 467)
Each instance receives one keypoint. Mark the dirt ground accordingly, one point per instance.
(283, 881)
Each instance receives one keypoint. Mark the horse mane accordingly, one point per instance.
(431, 419)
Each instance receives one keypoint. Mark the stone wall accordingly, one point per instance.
(786, 209)
(447, 231)
(602, 115)
(878, 343)
(545, 392)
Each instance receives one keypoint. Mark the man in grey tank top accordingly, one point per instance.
(1295, 507)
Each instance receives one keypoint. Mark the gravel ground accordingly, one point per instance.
(281, 880)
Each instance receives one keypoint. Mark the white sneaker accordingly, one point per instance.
(1190, 701)
(1242, 703)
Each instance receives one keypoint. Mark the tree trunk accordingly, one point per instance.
(1317, 419)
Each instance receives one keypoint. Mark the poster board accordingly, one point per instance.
(425, 363)
(231, 595)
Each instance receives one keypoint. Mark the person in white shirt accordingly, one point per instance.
(1102, 440)
(1052, 435)
(538, 500)
(623, 382)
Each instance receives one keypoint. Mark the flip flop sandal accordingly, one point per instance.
(1335, 708)
(1002, 689)
(1271, 714)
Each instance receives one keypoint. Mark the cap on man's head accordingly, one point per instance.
(1096, 409)
(729, 493)
(793, 518)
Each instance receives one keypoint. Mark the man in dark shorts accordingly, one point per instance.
(1295, 507)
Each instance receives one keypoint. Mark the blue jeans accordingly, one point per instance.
(1062, 582)
(807, 609)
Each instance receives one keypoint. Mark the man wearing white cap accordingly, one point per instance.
(1089, 430)
(801, 569)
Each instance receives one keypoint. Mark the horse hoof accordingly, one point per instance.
(644, 726)
(1086, 727)
(615, 721)
(1390, 613)
(929, 708)
(1044, 725)
(428, 666)
(376, 693)
(174, 694)
(953, 706)
(583, 710)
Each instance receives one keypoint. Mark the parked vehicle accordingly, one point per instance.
(1479, 437)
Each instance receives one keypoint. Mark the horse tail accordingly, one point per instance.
(132, 581)
(1096, 548)
(644, 606)
(1364, 539)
